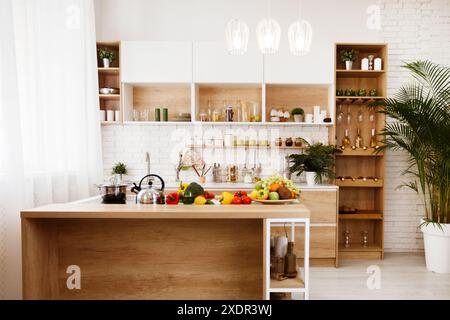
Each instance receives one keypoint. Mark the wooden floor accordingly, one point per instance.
(403, 276)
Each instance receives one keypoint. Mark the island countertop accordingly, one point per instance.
(138, 211)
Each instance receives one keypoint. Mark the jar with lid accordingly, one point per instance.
(289, 142)
(279, 142)
(298, 142)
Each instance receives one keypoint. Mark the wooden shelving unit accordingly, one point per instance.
(110, 77)
(364, 195)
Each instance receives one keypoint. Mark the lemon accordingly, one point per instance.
(254, 194)
(227, 198)
(200, 200)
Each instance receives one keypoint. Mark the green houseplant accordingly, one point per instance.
(421, 128)
(298, 114)
(317, 161)
(108, 56)
(348, 56)
(119, 169)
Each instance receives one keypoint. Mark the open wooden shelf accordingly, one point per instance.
(362, 215)
(113, 70)
(365, 195)
(359, 153)
(357, 247)
(109, 96)
(359, 73)
(360, 183)
(288, 284)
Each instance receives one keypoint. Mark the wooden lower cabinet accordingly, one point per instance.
(323, 242)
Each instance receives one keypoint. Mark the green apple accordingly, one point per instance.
(259, 185)
(274, 196)
(263, 195)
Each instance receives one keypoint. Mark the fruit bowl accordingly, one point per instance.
(275, 201)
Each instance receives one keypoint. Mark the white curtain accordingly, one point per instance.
(50, 143)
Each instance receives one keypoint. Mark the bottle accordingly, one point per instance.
(229, 112)
(359, 140)
(238, 117)
(209, 111)
(290, 266)
(373, 140)
(346, 140)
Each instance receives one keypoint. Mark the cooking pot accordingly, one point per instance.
(153, 193)
(113, 193)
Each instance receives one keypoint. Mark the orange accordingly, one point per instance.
(274, 187)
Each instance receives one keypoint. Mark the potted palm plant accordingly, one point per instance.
(348, 57)
(317, 161)
(421, 128)
(298, 114)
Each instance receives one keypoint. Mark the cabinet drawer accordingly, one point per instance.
(322, 242)
(322, 204)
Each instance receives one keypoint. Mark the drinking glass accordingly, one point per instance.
(347, 238)
(144, 115)
(349, 116)
(340, 115)
(371, 116)
(365, 236)
(360, 116)
(135, 115)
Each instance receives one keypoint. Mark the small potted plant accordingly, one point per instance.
(119, 170)
(107, 56)
(348, 57)
(298, 114)
(317, 161)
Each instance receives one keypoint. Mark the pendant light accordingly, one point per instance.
(237, 33)
(268, 32)
(300, 36)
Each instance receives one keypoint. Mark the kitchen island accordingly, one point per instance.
(153, 251)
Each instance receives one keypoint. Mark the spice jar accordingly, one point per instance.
(279, 142)
(298, 142)
(289, 142)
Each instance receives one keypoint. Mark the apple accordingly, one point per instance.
(263, 195)
(258, 185)
(254, 194)
(274, 196)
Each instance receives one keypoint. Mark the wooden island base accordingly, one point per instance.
(140, 256)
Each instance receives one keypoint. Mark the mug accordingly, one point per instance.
(309, 118)
(102, 115)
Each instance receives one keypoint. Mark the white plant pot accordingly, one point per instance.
(310, 178)
(106, 63)
(298, 118)
(348, 65)
(437, 247)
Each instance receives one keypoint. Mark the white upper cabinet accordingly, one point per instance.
(213, 64)
(313, 68)
(156, 62)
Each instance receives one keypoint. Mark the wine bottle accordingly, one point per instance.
(373, 140)
(359, 143)
(346, 140)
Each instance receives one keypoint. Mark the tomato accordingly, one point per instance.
(209, 195)
(240, 194)
(236, 200)
(246, 200)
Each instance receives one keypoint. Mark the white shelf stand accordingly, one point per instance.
(299, 286)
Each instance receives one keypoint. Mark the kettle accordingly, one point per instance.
(151, 194)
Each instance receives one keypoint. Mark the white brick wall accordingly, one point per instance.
(129, 144)
(413, 29)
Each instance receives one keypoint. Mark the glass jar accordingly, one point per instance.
(298, 142)
(289, 142)
(203, 116)
(279, 142)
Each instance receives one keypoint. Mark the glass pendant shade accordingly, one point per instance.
(300, 37)
(268, 32)
(237, 33)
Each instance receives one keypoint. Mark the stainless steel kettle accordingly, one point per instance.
(153, 193)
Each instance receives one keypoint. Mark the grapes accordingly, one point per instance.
(266, 183)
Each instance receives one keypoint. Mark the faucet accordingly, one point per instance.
(178, 167)
(147, 160)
